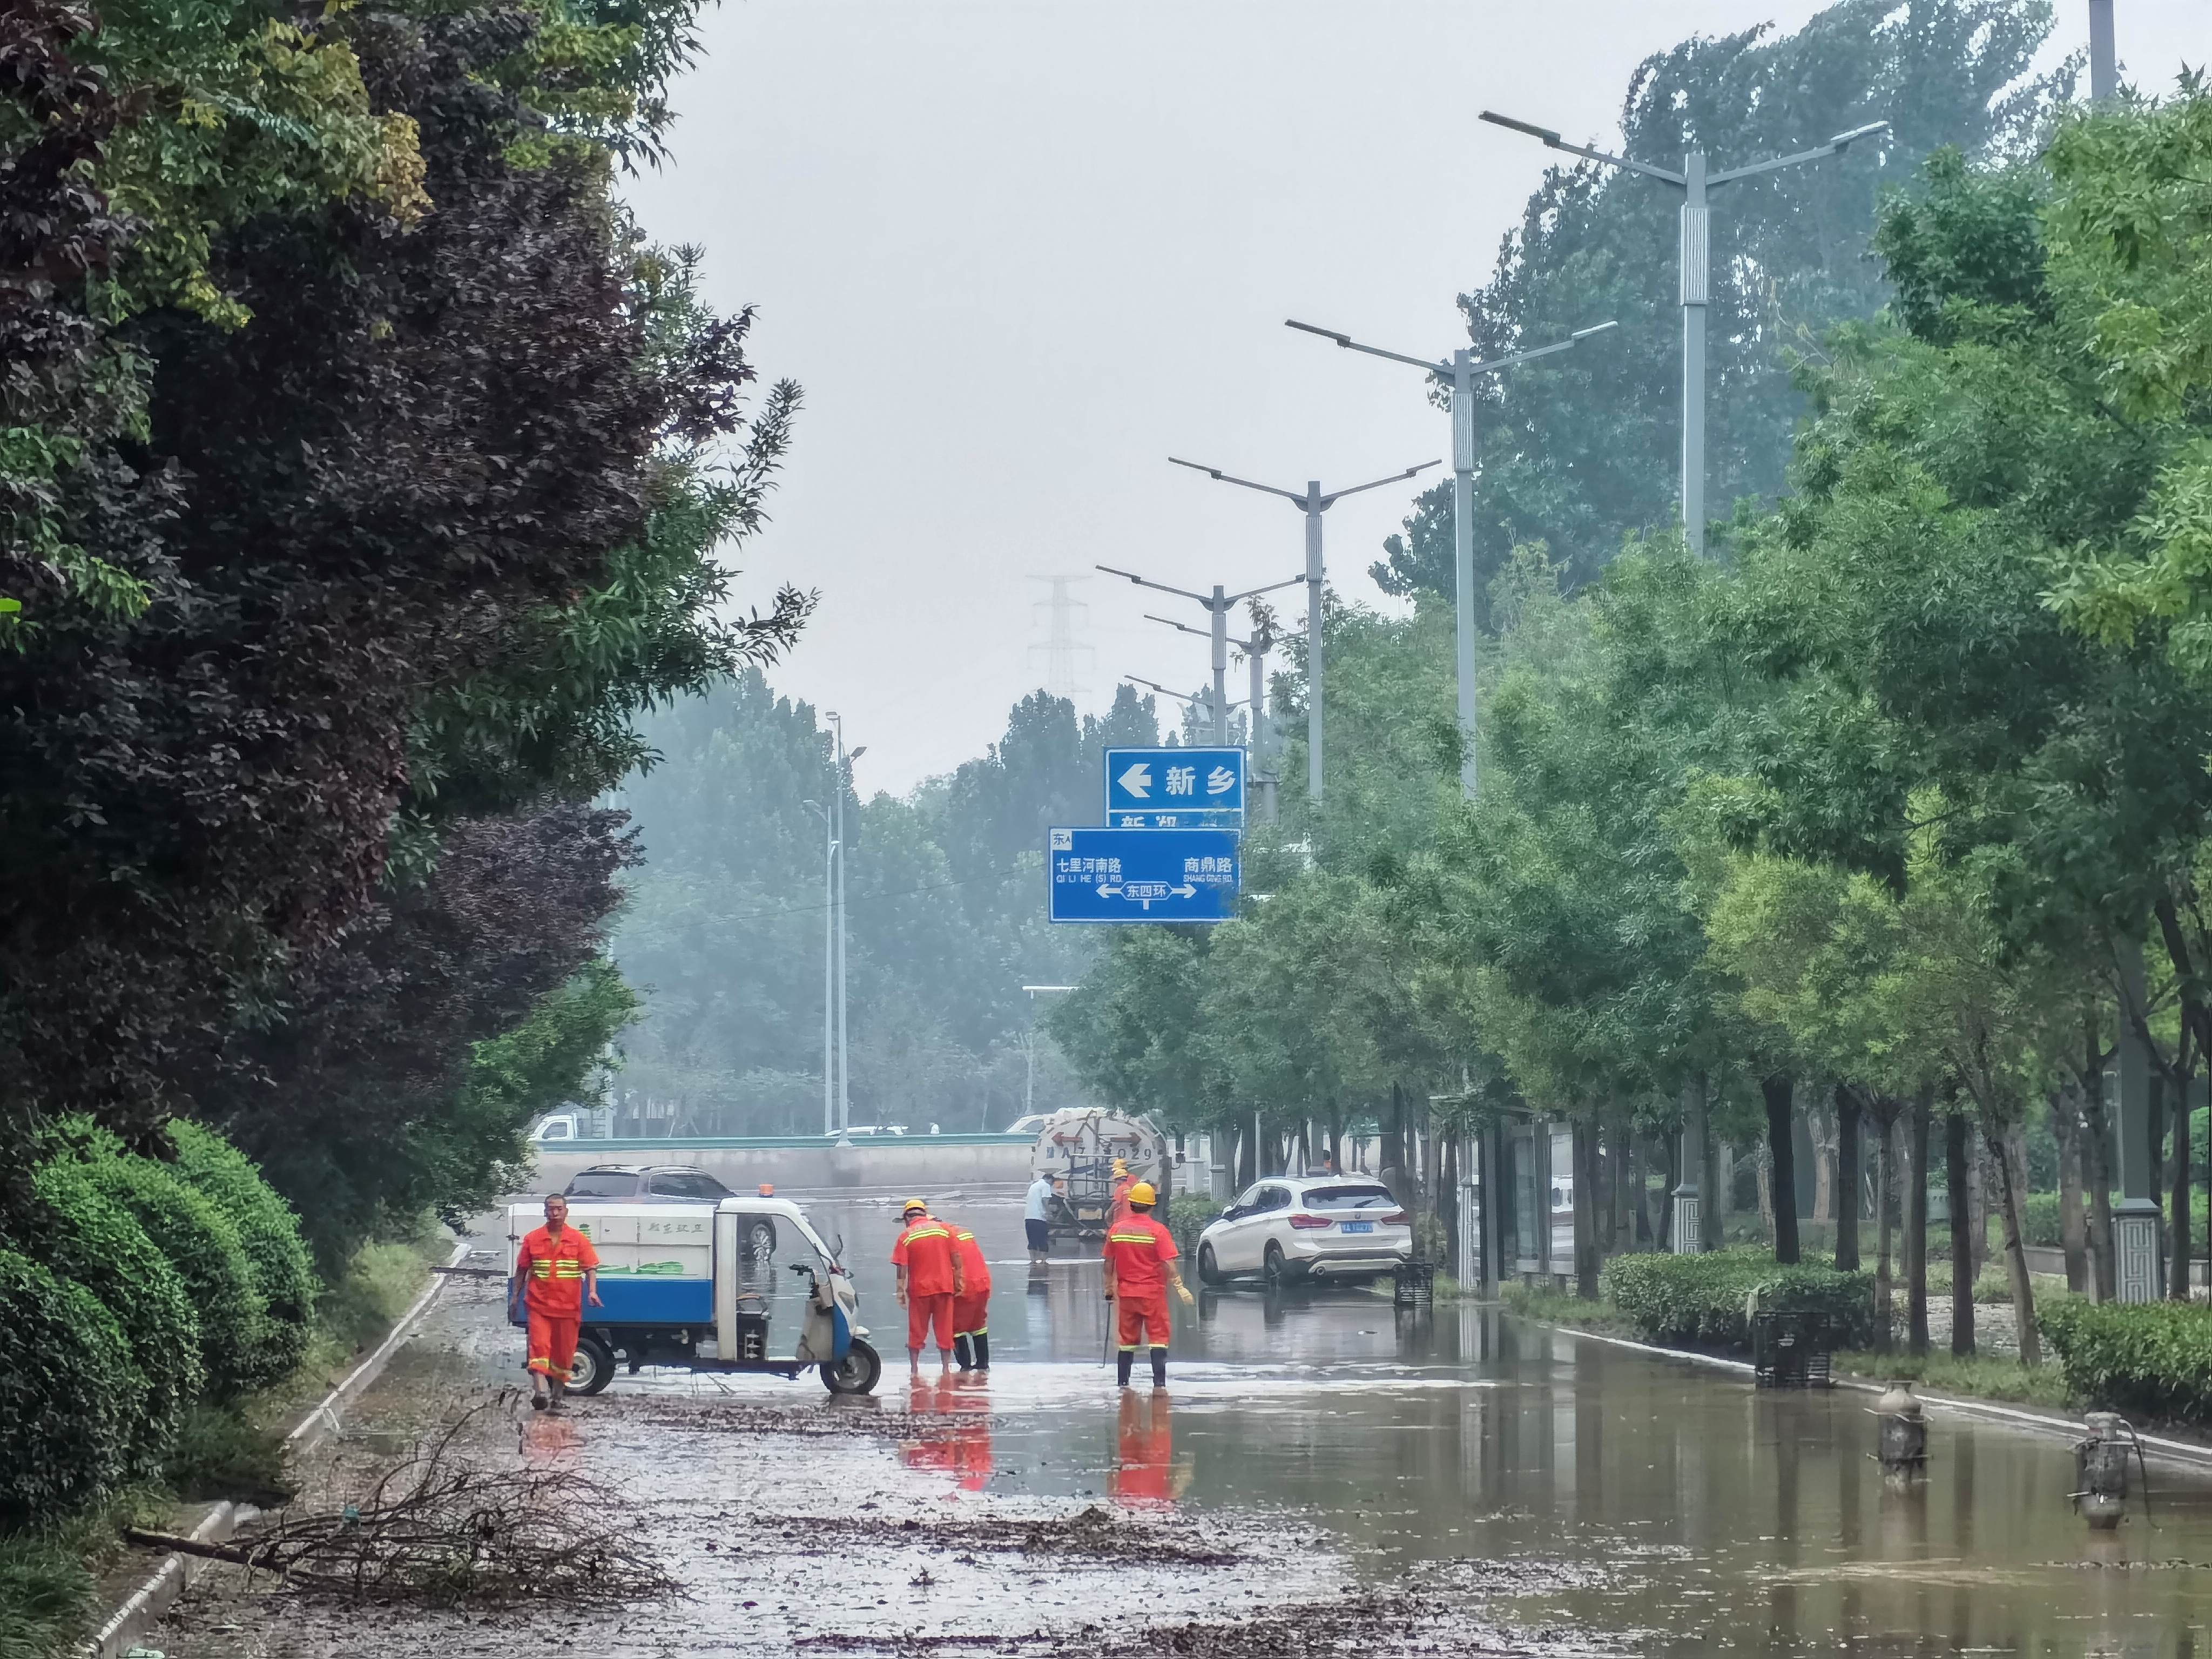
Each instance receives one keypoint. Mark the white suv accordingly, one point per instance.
(1290, 1228)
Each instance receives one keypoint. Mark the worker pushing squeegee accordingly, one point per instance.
(1140, 1256)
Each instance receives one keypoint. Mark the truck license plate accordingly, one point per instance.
(1357, 1226)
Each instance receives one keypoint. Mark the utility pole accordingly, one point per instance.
(844, 763)
(1313, 504)
(1459, 374)
(1255, 651)
(1218, 606)
(1693, 261)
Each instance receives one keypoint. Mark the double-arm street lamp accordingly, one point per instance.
(1313, 504)
(1255, 651)
(1694, 261)
(1205, 704)
(1459, 374)
(1218, 606)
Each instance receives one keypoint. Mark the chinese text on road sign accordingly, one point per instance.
(1175, 788)
(1143, 875)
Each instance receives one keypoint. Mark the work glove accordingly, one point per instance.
(1183, 1291)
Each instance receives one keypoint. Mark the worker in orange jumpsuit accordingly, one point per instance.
(930, 1277)
(1140, 1256)
(972, 1309)
(1117, 1204)
(556, 1272)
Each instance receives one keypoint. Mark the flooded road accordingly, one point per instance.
(1321, 1465)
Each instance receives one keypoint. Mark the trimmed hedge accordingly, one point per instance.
(283, 1276)
(70, 1397)
(1697, 1301)
(203, 1244)
(88, 1239)
(2147, 1360)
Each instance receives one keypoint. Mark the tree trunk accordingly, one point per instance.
(1824, 1175)
(2096, 1170)
(1762, 1175)
(1847, 1179)
(1885, 1182)
(2073, 1235)
(1586, 1259)
(1671, 1145)
(1957, 1172)
(1448, 1198)
(1782, 1142)
(2008, 1197)
(2177, 1272)
(1916, 1228)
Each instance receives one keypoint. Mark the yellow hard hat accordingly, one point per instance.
(912, 1205)
(1142, 1193)
(1121, 1166)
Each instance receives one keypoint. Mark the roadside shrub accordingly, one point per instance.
(1186, 1215)
(70, 1395)
(2151, 1360)
(202, 1244)
(283, 1275)
(1698, 1300)
(2038, 1219)
(85, 1236)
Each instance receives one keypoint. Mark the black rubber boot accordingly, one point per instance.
(981, 1343)
(963, 1351)
(1128, 1357)
(1159, 1367)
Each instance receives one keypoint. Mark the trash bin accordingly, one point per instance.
(1791, 1350)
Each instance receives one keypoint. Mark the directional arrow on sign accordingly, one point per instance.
(1187, 890)
(1138, 780)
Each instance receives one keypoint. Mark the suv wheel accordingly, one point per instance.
(1209, 1270)
(1276, 1272)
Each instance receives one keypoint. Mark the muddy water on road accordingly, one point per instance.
(1314, 1452)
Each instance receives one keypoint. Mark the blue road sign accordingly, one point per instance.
(1175, 788)
(1143, 875)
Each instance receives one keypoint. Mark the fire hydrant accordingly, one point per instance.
(1903, 1446)
(2100, 1470)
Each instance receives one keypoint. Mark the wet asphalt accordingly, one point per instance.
(1324, 1475)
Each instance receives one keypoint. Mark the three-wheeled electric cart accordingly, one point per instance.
(700, 1286)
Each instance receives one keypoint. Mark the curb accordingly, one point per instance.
(2179, 1451)
(146, 1606)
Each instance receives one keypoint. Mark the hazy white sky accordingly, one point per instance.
(1019, 252)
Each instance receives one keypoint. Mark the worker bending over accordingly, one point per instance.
(1140, 1256)
(971, 1307)
(930, 1278)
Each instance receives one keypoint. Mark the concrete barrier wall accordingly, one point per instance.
(919, 1163)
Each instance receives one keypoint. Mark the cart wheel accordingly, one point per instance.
(593, 1368)
(858, 1372)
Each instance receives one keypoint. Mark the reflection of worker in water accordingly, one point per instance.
(972, 1309)
(960, 1446)
(1140, 1256)
(1144, 1475)
(929, 1278)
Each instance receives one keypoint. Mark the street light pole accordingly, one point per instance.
(844, 1028)
(1313, 504)
(1693, 262)
(1218, 608)
(1207, 702)
(2104, 53)
(1459, 374)
(1255, 651)
(828, 968)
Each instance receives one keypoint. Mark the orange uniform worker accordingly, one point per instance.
(930, 1277)
(555, 1271)
(1117, 1204)
(972, 1309)
(1140, 1256)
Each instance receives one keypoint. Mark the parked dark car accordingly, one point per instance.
(662, 1183)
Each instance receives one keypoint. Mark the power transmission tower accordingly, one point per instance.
(1060, 646)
